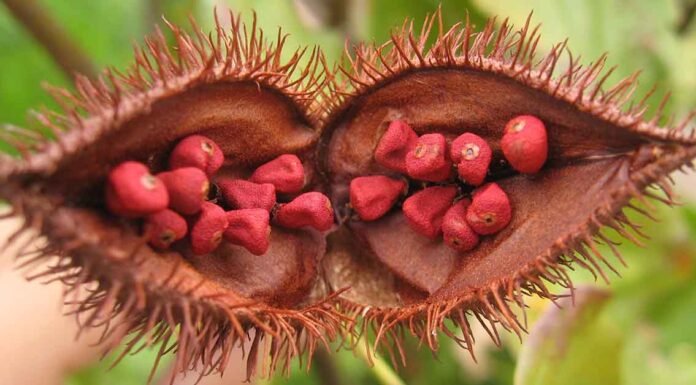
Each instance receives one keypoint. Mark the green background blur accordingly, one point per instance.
(639, 330)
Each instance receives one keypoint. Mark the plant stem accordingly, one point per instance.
(383, 371)
(67, 55)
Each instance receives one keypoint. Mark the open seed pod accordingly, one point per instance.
(310, 286)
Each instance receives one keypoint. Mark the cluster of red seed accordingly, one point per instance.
(440, 208)
(175, 203)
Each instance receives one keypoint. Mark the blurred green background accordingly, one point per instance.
(639, 330)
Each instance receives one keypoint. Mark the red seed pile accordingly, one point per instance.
(175, 205)
(440, 208)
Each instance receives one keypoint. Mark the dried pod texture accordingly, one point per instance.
(310, 133)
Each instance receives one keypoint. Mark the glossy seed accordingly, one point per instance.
(312, 209)
(426, 209)
(525, 144)
(472, 155)
(207, 229)
(285, 172)
(456, 231)
(395, 143)
(490, 210)
(372, 196)
(242, 194)
(187, 187)
(197, 151)
(133, 192)
(164, 228)
(429, 160)
(250, 229)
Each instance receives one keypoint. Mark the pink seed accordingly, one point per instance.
(429, 160)
(311, 209)
(133, 192)
(197, 151)
(490, 209)
(250, 229)
(395, 143)
(473, 156)
(426, 209)
(456, 231)
(207, 229)
(164, 228)
(188, 189)
(242, 194)
(285, 172)
(373, 196)
(525, 144)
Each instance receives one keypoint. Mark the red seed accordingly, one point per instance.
(250, 229)
(429, 160)
(311, 209)
(197, 151)
(285, 172)
(490, 210)
(426, 209)
(133, 192)
(164, 228)
(207, 229)
(373, 196)
(525, 144)
(188, 188)
(473, 156)
(456, 231)
(242, 194)
(395, 143)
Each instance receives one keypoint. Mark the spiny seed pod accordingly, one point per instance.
(490, 210)
(456, 231)
(429, 160)
(309, 287)
(310, 209)
(524, 144)
(207, 229)
(187, 187)
(164, 228)
(472, 155)
(249, 228)
(133, 192)
(285, 172)
(426, 209)
(395, 143)
(242, 194)
(197, 151)
(373, 196)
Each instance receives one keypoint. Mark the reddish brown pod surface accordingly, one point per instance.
(301, 250)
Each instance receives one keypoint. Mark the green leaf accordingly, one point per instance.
(572, 345)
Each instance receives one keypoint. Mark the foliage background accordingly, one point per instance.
(637, 331)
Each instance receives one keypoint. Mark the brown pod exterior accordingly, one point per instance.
(238, 92)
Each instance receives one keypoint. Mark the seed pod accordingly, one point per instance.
(373, 196)
(472, 155)
(285, 172)
(249, 228)
(197, 151)
(164, 228)
(133, 192)
(490, 210)
(394, 144)
(242, 194)
(187, 187)
(426, 209)
(207, 229)
(236, 89)
(428, 160)
(310, 209)
(456, 231)
(524, 144)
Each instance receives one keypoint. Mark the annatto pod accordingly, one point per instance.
(364, 275)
